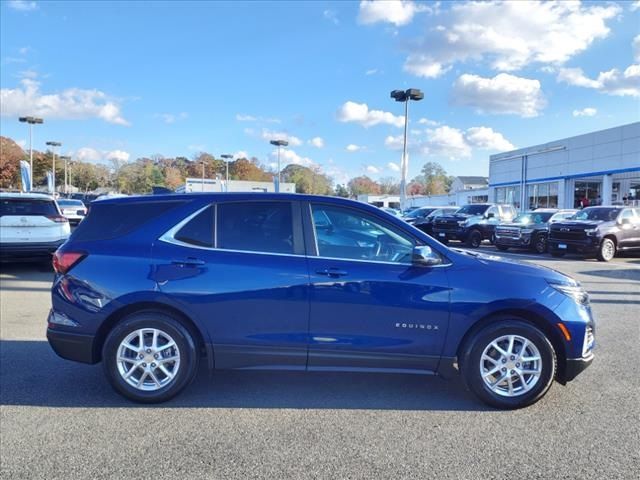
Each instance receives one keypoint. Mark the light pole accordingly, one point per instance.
(405, 96)
(226, 157)
(66, 162)
(279, 143)
(53, 146)
(31, 121)
(203, 163)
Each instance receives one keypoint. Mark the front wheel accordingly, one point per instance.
(540, 244)
(607, 250)
(509, 364)
(150, 357)
(475, 239)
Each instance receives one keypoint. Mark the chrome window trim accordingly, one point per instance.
(169, 235)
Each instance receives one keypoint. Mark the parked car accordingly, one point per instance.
(472, 223)
(73, 210)
(426, 223)
(31, 226)
(301, 282)
(597, 231)
(529, 230)
(391, 211)
(418, 213)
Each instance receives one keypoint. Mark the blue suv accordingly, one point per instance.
(152, 286)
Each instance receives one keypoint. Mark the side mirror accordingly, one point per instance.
(425, 256)
(491, 215)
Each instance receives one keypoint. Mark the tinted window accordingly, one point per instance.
(110, 220)
(473, 209)
(603, 214)
(199, 230)
(255, 227)
(349, 234)
(70, 203)
(27, 207)
(420, 213)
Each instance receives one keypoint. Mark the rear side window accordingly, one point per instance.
(27, 207)
(112, 220)
(255, 227)
(199, 230)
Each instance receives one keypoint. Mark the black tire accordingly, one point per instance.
(557, 254)
(502, 248)
(474, 239)
(187, 347)
(607, 250)
(474, 348)
(539, 244)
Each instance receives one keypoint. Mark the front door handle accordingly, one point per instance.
(332, 272)
(188, 262)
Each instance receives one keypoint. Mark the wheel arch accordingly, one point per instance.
(527, 316)
(148, 306)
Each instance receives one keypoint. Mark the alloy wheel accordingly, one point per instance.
(510, 365)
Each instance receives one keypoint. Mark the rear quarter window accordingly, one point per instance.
(111, 220)
(27, 207)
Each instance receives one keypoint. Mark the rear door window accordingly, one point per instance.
(199, 230)
(27, 207)
(255, 227)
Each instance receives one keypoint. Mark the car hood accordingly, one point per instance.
(509, 266)
(521, 224)
(455, 217)
(579, 224)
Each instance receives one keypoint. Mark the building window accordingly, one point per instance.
(542, 195)
(510, 195)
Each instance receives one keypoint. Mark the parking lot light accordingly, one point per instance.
(279, 144)
(31, 121)
(227, 157)
(405, 96)
(53, 146)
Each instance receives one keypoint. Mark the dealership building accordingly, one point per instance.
(602, 167)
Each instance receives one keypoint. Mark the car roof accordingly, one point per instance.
(19, 195)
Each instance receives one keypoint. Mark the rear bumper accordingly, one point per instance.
(574, 367)
(29, 249)
(72, 346)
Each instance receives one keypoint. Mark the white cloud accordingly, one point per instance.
(22, 143)
(317, 142)
(448, 142)
(360, 113)
(288, 156)
(502, 94)
(486, 138)
(196, 148)
(268, 135)
(635, 45)
(91, 155)
(397, 12)
(240, 154)
(353, 147)
(509, 35)
(585, 112)
(72, 103)
(241, 117)
(426, 121)
(372, 169)
(635, 5)
(22, 5)
(612, 82)
(170, 118)
(371, 71)
(332, 16)
(393, 167)
(395, 142)
(118, 155)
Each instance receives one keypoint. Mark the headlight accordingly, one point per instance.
(462, 223)
(527, 231)
(575, 292)
(592, 232)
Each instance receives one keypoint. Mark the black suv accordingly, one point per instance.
(426, 223)
(472, 223)
(529, 229)
(599, 231)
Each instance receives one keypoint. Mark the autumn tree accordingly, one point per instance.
(389, 186)
(363, 185)
(341, 191)
(10, 156)
(434, 179)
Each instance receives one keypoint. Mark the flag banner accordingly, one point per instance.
(50, 182)
(25, 175)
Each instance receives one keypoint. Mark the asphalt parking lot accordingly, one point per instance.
(62, 420)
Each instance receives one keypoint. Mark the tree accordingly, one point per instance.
(363, 185)
(389, 186)
(243, 169)
(434, 179)
(10, 156)
(173, 178)
(307, 180)
(341, 191)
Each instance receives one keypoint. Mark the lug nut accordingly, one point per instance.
(153, 365)
(504, 360)
(155, 356)
(149, 351)
(512, 357)
(513, 372)
(141, 356)
(504, 369)
(518, 365)
(144, 364)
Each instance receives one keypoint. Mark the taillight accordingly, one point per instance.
(64, 261)
(57, 218)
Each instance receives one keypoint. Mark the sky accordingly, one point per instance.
(123, 80)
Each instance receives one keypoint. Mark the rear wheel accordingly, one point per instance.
(607, 250)
(150, 357)
(475, 239)
(540, 243)
(509, 364)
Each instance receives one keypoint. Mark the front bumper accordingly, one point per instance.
(29, 249)
(72, 346)
(587, 246)
(574, 367)
(523, 241)
(459, 234)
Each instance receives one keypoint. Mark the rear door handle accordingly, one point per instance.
(332, 272)
(191, 262)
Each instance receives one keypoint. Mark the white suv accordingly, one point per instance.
(31, 226)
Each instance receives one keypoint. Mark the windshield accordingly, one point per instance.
(28, 207)
(420, 212)
(70, 203)
(473, 209)
(599, 214)
(533, 217)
